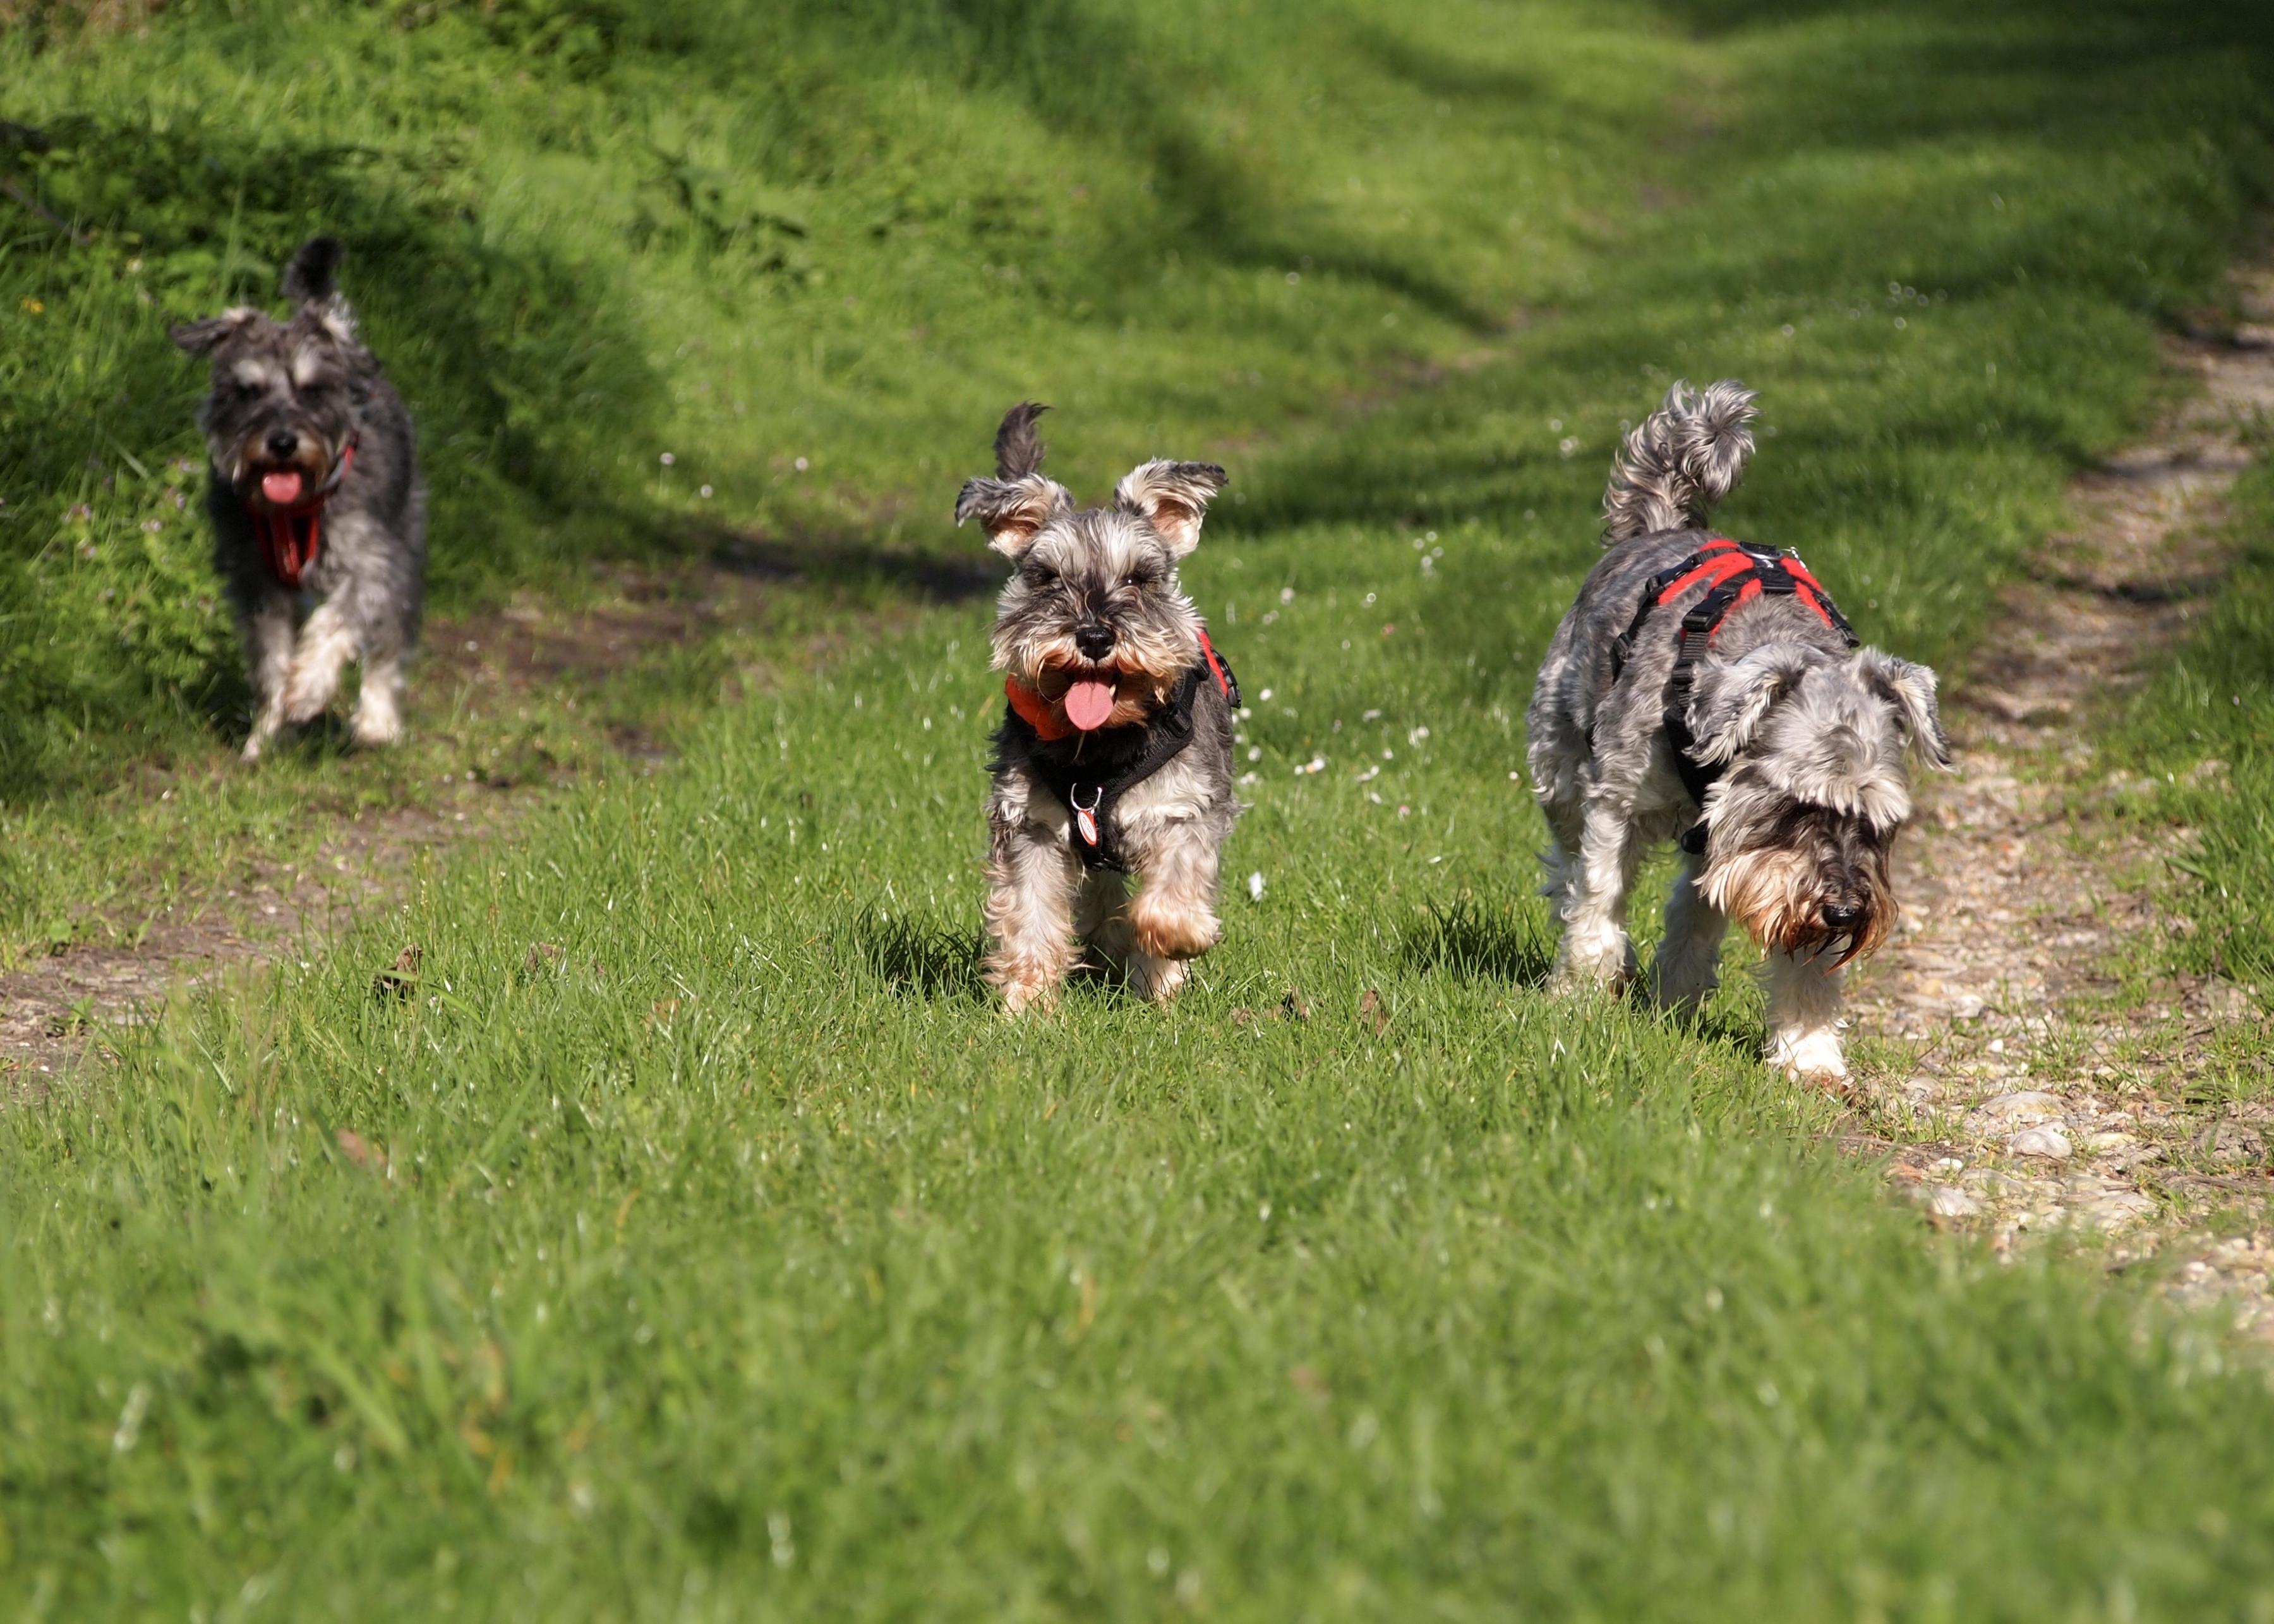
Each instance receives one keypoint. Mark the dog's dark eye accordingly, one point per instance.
(1139, 577)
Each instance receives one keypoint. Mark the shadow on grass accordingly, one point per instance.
(1473, 944)
(918, 959)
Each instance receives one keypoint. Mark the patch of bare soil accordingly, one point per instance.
(2016, 1085)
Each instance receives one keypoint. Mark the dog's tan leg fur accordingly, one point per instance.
(1031, 881)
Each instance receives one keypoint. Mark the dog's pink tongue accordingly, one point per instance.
(1088, 703)
(282, 487)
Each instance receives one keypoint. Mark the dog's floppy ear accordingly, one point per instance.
(1172, 498)
(202, 338)
(1910, 687)
(1733, 699)
(1013, 512)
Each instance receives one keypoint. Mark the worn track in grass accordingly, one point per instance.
(2020, 1082)
(51, 1008)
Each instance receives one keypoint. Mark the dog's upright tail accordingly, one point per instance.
(314, 273)
(1680, 461)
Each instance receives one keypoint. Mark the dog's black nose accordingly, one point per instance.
(1095, 641)
(283, 443)
(1842, 915)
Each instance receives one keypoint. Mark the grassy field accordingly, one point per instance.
(2215, 705)
(693, 1241)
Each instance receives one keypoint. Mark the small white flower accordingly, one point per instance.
(1370, 774)
(667, 459)
(1255, 886)
(1569, 445)
(705, 490)
(801, 465)
(1371, 716)
(1265, 695)
(1417, 734)
(1286, 594)
(1255, 752)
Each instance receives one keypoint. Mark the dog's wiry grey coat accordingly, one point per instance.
(1814, 739)
(295, 395)
(1095, 595)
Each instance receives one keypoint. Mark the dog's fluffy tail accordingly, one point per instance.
(314, 273)
(1018, 448)
(1680, 461)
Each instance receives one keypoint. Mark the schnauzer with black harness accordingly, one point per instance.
(1709, 689)
(316, 504)
(1115, 755)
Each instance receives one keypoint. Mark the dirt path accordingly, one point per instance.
(51, 1008)
(2018, 1082)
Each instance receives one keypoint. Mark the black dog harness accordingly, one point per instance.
(1089, 800)
(1734, 573)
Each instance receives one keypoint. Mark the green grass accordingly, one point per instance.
(2203, 737)
(727, 1256)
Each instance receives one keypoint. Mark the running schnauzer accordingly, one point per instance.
(1115, 756)
(314, 495)
(1703, 685)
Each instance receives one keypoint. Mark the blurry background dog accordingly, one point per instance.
(1795, 784)
(316, 503)
(1115, 755)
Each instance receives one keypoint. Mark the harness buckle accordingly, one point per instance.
(1777, 580)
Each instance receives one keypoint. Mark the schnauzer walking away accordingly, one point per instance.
(1709, 689)
(1115, 756)
(315, 500)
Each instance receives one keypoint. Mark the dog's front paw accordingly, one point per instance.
(1166, 931)
(1813, 1057)
(374, 732)
(1158, 980)
(1024, 992)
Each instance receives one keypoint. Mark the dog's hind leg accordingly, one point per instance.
(1686, 968)
(266, 627)
(1596, 951)
(1804, 1016)
(1032, 880)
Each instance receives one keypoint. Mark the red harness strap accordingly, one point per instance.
(1216, 667)
(290, 537)
(1725, 560)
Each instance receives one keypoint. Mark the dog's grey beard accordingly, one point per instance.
(1680, 461)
